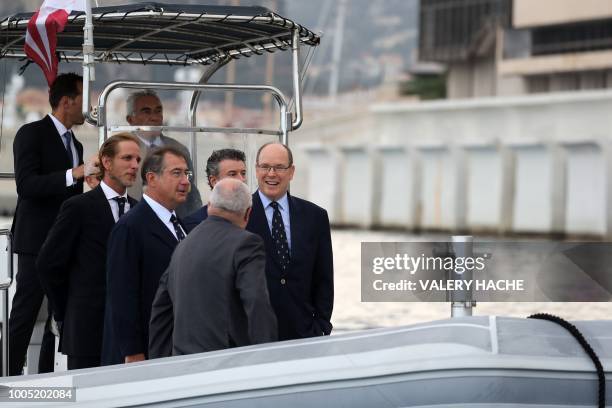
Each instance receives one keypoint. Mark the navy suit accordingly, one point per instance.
(303, 297)
(139, 250)
(195, 218)
(72, 269)
(41, 163)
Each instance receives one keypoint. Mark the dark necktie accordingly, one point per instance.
(177, 228)
(121, 203)
(281, 245)
(67, 137)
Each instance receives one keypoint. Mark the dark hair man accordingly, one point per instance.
(221, 164)
(139, 250)
(49, 169)
(72, 261)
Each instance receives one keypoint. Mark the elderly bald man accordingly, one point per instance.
(214, 293)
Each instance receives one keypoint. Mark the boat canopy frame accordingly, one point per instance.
(152, 33)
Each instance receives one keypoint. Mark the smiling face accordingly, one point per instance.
(274, 183)
(229, 168)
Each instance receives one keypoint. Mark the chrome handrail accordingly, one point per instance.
(4, 298)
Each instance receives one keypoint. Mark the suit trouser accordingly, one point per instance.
(26, 305)
(76, 362)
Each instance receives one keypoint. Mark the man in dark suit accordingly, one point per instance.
(145, 109)
(221, 164)
(48, 169)
(72, 261)
(299, 262)
(139, 250)
(214, 291)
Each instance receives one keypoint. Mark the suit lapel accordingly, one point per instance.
(298, 223)
(258, 223)
(102, 202)
(157, 227)
(57, 143)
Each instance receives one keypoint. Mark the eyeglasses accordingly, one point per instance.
(278, 169)
(177, 174)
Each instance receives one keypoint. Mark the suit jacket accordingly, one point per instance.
(72, 270)
(40, 163)
(139, 250)
(195, 218)
(214, 292)
(302, 297)
(193, 202)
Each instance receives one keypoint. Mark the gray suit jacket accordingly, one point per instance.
(214, 293)
(194, 201)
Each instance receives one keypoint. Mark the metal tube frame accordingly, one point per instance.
(297, 91)
(88, 64)
(4, 298)
(181, 86)
(193, 106)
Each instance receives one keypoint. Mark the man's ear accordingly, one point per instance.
(212, 180)
(247, 214)
(151, 178)
(106, 161)
(129, 119)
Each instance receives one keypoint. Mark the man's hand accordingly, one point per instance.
(135, 358)
(78, 172)
(92, 166)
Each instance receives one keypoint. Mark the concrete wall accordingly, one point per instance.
(531, 164)
(529, 13)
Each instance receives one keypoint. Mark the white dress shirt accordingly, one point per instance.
(114, 205)
(163, 214)
(61, 129)
(283, 207)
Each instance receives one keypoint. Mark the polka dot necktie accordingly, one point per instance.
(281, 246)
(177, 228)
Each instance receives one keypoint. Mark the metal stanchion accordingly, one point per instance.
(5, 283)
(462, 246)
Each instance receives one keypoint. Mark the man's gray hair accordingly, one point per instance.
(133, 97)
(231, 195)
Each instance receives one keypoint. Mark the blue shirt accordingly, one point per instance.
(283, 207)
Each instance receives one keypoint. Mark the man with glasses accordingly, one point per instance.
(139, 250)
(145, 109)
(299, 261)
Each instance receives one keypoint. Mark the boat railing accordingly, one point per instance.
(6, 279)
(285, 123)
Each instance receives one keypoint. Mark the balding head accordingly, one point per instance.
(231, 199)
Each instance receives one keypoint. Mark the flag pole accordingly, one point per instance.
(89, 73)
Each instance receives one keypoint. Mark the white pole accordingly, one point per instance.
(88, 61)
(461, 300)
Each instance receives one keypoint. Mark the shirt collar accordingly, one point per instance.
(283, 202)
(162, 212)
(110, 193)
(157, 141)
(61, 129)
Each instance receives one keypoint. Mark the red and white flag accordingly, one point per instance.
(41, 37)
